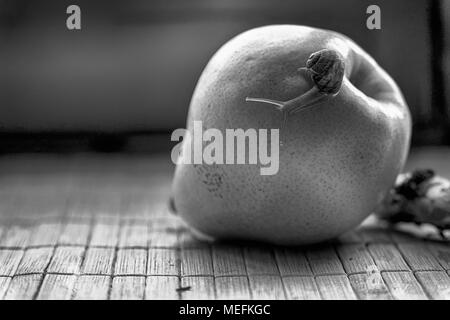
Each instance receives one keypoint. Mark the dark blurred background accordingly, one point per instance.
(132, 68)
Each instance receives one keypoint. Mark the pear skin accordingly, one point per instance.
(337, 158)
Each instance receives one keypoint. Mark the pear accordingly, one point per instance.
(344, 134)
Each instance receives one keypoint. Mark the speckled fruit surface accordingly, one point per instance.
(337, 159)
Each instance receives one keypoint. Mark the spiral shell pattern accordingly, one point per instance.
(327, 70)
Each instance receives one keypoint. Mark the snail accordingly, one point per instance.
(326, 69)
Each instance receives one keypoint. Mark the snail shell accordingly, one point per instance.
(327, 70)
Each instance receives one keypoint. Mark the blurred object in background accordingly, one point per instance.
(134, 65)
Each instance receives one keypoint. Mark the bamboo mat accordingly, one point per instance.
(97, 227)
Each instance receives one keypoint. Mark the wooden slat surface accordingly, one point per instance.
(387, 257)
(435, 283)
(292, 262)
(99, 228)
(196, 262)
(163, 262)
(99, 261)
(66, 260)
(4, 285)
(45, 234)
(370, 286)
(104, 235)
(267, 287)
(228, 261)
(15, 236)
(35, 260)
(324, 261)
(128, 287)
(24, 287)
(232, 287)
(260, 261)
(441, 252)
(335, 287)
(404, 285)
(57, 287)
(9, 261)
(92, 287)
(418, 257)
(162, 288)
(301, 288)
(131, 262)
(355, 258)
(134, 235)
(75, 234)
(194, 288)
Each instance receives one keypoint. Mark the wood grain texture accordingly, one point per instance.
(4, 285)
(355, 258)
(266, 287)
(45, 234)
(35, 260)
(128, 288)
(163, 262)
(436, 284)
(9, 261)
(196, 262)
(197, 288)
(99, 261)
(24, 287)
(15, 236)
(260, 261)
(370, 286)
(102, 230)
(418, 257)
(335, 287)
(162, 288)
(91, 288)
(403, 285)
(228, 261)
(387, 257)
(301, 288)
(66, 260)
(441, 252)
(57, 287)
(76, 234)
(324, 260)
(232, 288)
(105, 235)
(134, 235)
(292, 262)
(131, 262)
